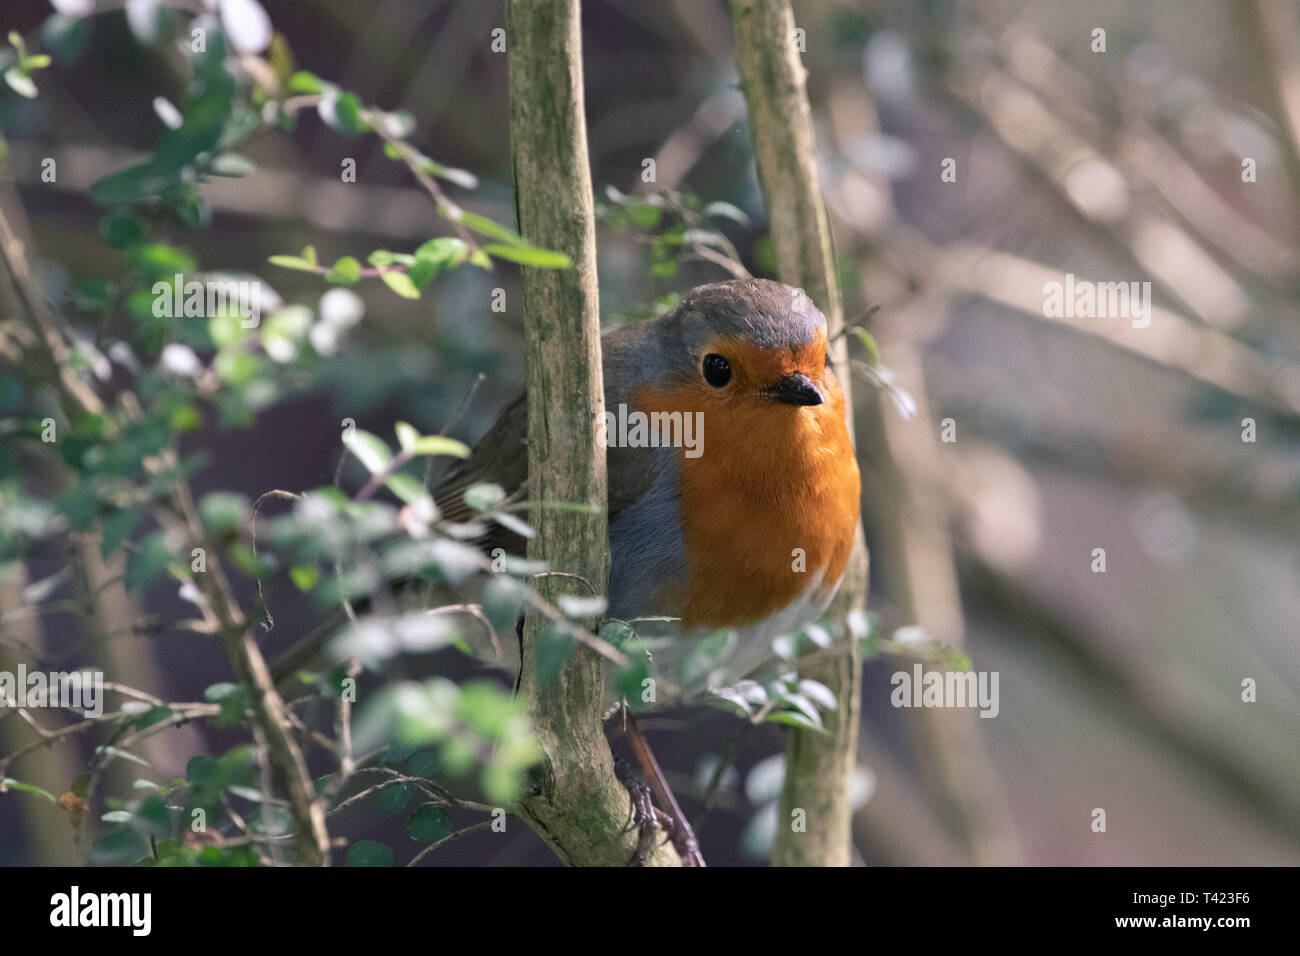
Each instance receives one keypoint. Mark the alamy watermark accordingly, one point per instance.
(133, 911)
(75, 690)
(920, 688)
(636, 429)
(1084, 299)
(179, 299)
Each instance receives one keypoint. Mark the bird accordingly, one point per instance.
(733, 497)
(738, 513)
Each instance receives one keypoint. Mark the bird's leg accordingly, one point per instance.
(683, 837)
(646, 817)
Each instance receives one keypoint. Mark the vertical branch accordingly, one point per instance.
(1269, 27)
(818, 767)
(47, 833)
(580, 809)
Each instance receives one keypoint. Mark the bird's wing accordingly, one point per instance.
(501, 457)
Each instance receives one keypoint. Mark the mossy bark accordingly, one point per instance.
(580, 809)
(818, 766)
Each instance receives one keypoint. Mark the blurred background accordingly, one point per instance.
(1169, 155)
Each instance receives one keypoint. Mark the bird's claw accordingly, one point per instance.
(646, 818)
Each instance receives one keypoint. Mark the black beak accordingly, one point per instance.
(797, 389)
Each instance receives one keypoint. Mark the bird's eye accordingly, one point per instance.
(717, 370)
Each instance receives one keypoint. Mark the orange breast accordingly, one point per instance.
(773, 482)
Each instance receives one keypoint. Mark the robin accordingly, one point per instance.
(733, 489)
(733, 484)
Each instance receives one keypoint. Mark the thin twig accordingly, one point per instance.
(455, 835)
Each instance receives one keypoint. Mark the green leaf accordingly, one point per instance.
(868, 342)
(304, 82)
(204, 122)
(581, 606)
(645, 215)
(134, 184)
(160, 260)
(794, 719)
(93, 295)
(428, 824)
(530, 256)
(292, 262)
(20, 82)
(481, 497)
(184, 418)
(630, 679)
(193, 210)
(423, 272)
(434, 256)
(440, 445)
(400, 283)
(511, 523)
(707, 654)
(304, 577)
(202, 770)
(396, 755)
(407, 436)
(725, 210)
(503, 597)
(233, 700)
(486, 227)
(232, 166)
(304, 263)
(347, 115)
(147, 562)
(406, 487)
(370, 853)
(12, 784)
(441, 249)
(804, 706)
(119, 847)
(734, 699)
(224, 512)
(370, 450)
(120, 229)
(346, 271)
(426, 763)
(394, 797)
(664, 268)
(461, 177)
(152, 716)
(819, 693)
(617, 633)
(152, 818)
(116, 528)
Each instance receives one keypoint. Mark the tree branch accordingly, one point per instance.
(818, 766)
(580, 808)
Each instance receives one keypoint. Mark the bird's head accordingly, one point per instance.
(751, 345)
